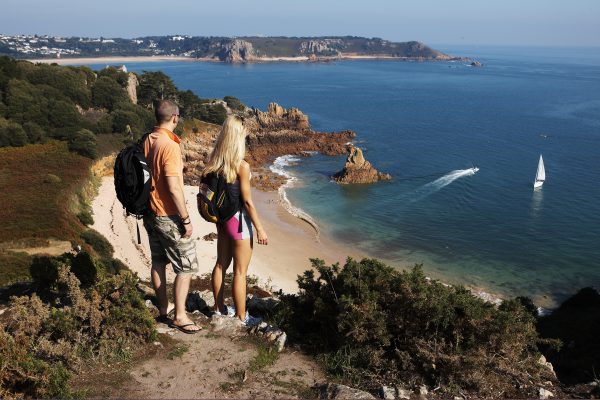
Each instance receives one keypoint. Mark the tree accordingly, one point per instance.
(124, 119)
(11, 134)
(155, 86)
(26, 103)
(84, 143)
(35, 134)
(107, 92)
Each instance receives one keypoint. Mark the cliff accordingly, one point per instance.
(358, 170)
(236, 51)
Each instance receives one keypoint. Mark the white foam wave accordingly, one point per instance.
(278, 167)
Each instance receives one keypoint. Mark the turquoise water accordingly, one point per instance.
(425, 123)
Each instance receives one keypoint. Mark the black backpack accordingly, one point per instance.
(133, 180)
(215, 201)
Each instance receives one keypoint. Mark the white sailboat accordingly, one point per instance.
(540, 176)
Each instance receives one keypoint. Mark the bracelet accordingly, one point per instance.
(187, 223)
(183, 219)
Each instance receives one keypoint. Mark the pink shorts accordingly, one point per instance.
(232, 226)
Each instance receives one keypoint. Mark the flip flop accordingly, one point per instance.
(182, 328)
(163, 319)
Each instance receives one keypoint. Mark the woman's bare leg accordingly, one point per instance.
(242, 253)
(224, 256)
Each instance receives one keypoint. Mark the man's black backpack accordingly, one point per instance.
(215, 201)
(133, 180)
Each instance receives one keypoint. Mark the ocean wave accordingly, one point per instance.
(278, 167)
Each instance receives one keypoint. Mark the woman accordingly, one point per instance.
(227, 159)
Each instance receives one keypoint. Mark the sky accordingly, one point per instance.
(454, 22)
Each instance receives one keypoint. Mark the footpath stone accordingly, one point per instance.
(334, 391)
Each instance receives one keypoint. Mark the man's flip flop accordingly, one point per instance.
(182, 328)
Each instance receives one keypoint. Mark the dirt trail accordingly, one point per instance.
(215, 365)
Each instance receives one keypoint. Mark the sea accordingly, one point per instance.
(428, 124)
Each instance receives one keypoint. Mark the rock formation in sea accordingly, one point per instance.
(273, 133)
(359, 170)
(476, 64)
(237, 51)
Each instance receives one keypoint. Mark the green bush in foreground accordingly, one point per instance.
(46, 338)
(371, 324)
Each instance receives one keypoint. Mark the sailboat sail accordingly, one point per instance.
(540, 176)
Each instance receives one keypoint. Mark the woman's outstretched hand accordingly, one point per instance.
(261, 237)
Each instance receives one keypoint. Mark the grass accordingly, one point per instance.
(178, 351)
(33, 207)
(267, 355)
(14, 267)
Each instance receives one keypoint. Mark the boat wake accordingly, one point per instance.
(440, 183)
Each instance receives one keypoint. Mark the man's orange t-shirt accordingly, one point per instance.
(163, 153)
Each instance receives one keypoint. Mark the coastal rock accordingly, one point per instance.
(387, 393)
(199, 300)
(547, 364)
(545, 394)
(476, 64)
(237, 51)
(132, 84)
(277, 117)
(358, 170)
(273, 133)
(336, 391)
(403, 393)
(210, 237)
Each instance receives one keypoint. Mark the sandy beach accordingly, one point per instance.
(291, 241)
(123, 59)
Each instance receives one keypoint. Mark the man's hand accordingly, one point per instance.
(188, 231)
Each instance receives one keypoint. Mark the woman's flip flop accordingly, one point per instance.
(182, 328)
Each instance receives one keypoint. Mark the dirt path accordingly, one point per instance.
(216, 365)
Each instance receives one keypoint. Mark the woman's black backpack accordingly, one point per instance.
(215, 201)
(133, 180)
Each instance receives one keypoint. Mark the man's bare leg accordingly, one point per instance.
(182, 286)
(159, 281)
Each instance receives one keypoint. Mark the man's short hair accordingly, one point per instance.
(165, 110)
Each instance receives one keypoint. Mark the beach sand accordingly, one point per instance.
(291, 241)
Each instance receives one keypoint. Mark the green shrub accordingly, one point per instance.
(99, 243)
(84, 143)
(234, 103)
(107, 92)
(370, 325)
(41, 343)
(86, 218)
(11, 134)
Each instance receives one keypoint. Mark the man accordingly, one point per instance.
(168, 223)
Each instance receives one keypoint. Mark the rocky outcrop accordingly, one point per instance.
(276, 117)
(358, 170)
(321, 46)
(237, 51)
(476, 64)
(272, 133)
(132, 84)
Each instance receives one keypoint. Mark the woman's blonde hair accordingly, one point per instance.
(229, 150)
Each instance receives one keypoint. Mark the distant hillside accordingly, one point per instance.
(239, 49)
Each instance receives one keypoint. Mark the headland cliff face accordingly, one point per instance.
(359, 170)
(272, 133)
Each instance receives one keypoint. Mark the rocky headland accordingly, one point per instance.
(359, 170)
(273, 133)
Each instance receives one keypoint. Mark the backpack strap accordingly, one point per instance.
(240, 221)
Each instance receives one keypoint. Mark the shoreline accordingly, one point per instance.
(294, 59)
(292, 242)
